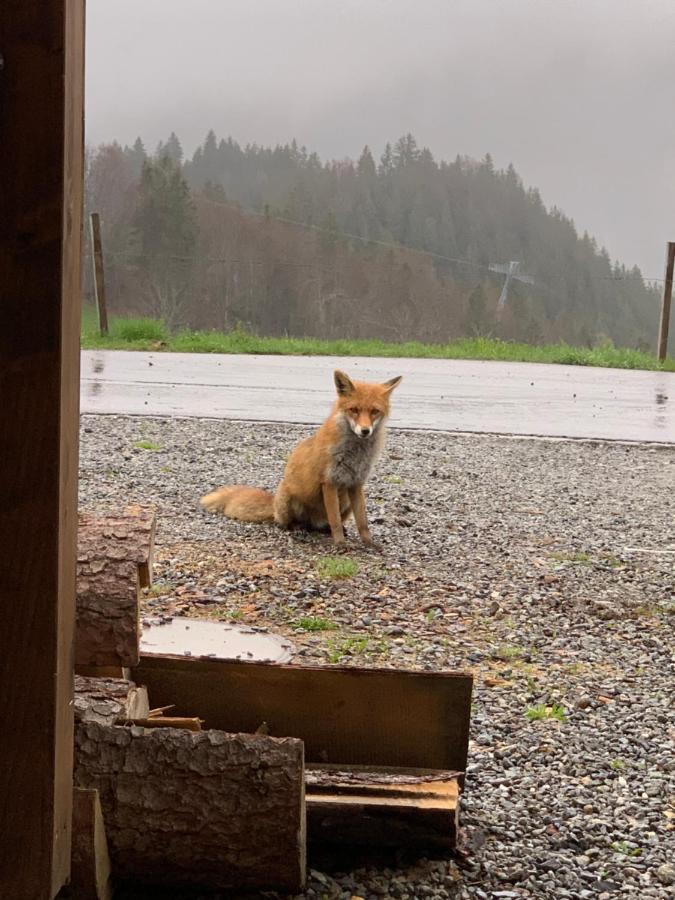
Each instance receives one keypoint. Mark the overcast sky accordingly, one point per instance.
(578, 94)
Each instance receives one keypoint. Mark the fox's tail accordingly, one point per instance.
(247, 504)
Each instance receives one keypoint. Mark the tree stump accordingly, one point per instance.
(207, 809)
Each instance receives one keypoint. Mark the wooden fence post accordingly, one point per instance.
(662, 347)
(99, 274)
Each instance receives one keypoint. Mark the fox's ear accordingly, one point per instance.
(343, 382)
(392, 383)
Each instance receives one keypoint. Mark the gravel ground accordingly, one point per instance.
(515, 559)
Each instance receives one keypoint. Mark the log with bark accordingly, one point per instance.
(109, 701)
(114, 560)
(207, 809)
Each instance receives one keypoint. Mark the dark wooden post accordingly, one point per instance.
(41, 172)
(662, 349)
(99, 274)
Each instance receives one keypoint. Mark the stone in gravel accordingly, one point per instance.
(666, 874)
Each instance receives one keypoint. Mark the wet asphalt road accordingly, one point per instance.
(442, 395)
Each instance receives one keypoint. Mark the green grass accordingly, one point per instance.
(147, 445)
(541, 711)
(573, 557)
(148, 334)
(315, 623)
(336, 567)
(352, 646)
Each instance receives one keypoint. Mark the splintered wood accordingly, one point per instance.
(114, 561)
(210, 809)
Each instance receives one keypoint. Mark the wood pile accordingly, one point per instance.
(164, 798)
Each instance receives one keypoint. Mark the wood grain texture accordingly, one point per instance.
(41, 122)
(365, 717)
(90, 875)
(220, 811)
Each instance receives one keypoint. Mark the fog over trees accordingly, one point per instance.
(395, 244)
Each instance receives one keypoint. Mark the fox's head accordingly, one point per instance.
(363, 405)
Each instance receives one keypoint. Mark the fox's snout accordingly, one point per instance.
(363, 430)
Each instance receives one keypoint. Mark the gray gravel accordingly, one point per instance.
(517, 559)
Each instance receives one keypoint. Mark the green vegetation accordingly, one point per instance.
(352, 646)
(148, 334)
(507, 653)
(625, 849)
(315, 623)
(618, 765)
(542, 711)
(573, 557)
(336, 567)
(147, 445)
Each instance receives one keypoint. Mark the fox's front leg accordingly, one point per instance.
(331, 500)
(358, 503)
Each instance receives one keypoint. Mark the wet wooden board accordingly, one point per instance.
(345, 716)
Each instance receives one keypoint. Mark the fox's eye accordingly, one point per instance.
(374, 412)
(354, 410)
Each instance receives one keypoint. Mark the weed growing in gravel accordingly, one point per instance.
(625, 849)
(336, 567)
(393, 479)
(230, 615)
(618, 765)
(315, 623)
(147, 445)
(541, 711)
(507, 652)
(578, 557)
(353, 646)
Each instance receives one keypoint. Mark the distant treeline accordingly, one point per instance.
(279, 242)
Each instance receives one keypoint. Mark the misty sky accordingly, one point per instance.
(578, 94)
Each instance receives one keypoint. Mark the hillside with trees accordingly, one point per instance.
(401, 247)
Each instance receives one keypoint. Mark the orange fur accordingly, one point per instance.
(324, 476)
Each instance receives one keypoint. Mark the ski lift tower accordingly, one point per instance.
(512, 272)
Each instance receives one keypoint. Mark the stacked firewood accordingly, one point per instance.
(157, 799)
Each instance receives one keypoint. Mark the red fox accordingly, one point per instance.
(324, 476)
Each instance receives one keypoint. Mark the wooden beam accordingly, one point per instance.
(664, 325)
(91, 862)
(345, 716)
(41, 123)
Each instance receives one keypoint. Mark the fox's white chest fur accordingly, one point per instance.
(353, 457)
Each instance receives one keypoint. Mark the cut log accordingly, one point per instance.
(114, 559)
(109, 701)
(90, 863)
(385, 807)
(206, 809)
(136, 527)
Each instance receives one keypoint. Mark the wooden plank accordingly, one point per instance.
(366, 717)
(99, 273)
(188, 809)
(382, 807)
(90, 879)
(664, 323)
(41, 119)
